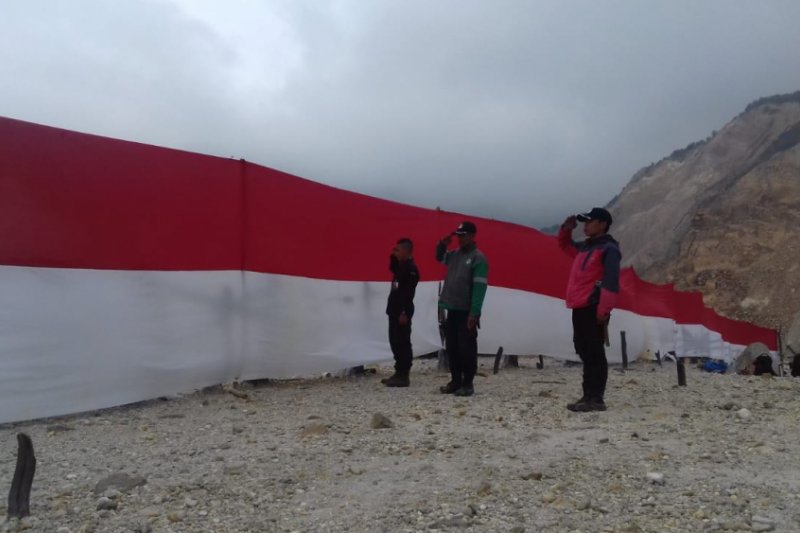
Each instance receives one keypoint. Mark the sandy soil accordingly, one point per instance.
(302, 456)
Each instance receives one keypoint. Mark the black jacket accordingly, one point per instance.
(405, 277)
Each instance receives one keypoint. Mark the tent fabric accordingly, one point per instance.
(132, 271)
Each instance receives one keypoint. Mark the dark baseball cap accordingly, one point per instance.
(597, 213)
(466, 228)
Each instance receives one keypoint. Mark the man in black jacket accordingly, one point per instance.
(400, 309)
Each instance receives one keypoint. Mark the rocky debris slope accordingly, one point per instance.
(721, 215)
(303, 456)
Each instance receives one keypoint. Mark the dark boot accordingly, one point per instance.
(385, 380)
(450, 388)
(597, 404)
(397, 381)
(465, 390)
(583, 405)
(571, 406)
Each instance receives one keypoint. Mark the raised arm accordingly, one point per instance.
(441, 249)
(565, 241)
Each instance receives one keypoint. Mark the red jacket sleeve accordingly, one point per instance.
(566, 243)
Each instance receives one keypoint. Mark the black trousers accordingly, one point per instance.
(462, 348)
(588, 337)
(400, 342)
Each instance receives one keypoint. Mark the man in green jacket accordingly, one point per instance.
(462, 297)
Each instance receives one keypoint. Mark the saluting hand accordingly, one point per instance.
(447, 239)
(570, 223)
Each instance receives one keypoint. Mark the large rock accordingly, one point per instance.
(120, 481)
(791, 339)
(720, 216)
(380, 421)
(747, 358)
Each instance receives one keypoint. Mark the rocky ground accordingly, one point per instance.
(722, 454)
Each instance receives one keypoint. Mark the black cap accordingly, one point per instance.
(466, 228)
(597, 213)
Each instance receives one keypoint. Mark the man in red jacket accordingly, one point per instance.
(591, 294)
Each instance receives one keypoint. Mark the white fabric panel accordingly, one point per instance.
(76, 340)
(694, 340)
(635, 335)
(301, 326)
(659, 335)
(525, 324)
(716, 346)
(531, 324)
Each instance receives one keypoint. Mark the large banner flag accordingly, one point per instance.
(131, 271)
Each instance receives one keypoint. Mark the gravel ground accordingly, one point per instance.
(721, 454)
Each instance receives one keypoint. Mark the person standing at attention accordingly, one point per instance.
(462, 297)
(591, 294)
(400, 309)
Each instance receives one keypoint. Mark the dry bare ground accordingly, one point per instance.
(302, 456)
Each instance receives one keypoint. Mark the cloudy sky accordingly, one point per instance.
(519, 110)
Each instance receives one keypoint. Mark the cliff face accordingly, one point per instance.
(722, 215)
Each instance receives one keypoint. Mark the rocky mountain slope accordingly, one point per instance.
(722, 215)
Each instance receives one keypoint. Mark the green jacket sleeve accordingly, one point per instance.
(480, 282)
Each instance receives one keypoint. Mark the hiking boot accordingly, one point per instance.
(597, 404)
(397, 381)
(390, 378)
(581, 406)
(466, 390)
(450, 388)
(571, 406)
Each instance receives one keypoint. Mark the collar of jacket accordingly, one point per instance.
(601, 239)
(468, 248)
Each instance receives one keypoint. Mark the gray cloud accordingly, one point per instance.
(516, 110)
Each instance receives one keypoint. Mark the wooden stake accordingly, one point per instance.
(624, 346)
(497, 360)
(20, 494)
(681, 373)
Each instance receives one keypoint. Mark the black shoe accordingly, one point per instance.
(597, 404)
(466, 390)
(581, 406)
(385, 380)
(571, 406)
(397, 381)
(450, 388)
